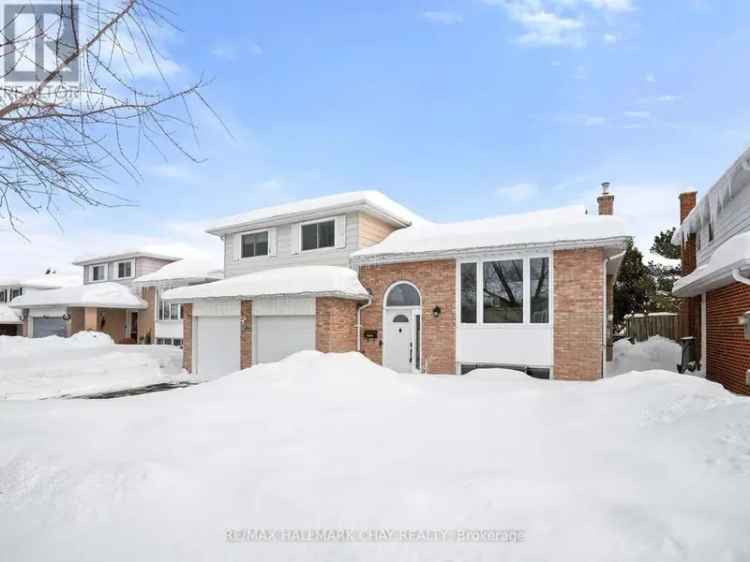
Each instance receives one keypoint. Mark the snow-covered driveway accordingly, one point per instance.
(88, 362)
(646, 467)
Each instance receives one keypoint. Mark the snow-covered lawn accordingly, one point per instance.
(651, 466)
(88, 362)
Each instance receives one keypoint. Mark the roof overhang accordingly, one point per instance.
(320, 212)
(702, 280)
(251, 296)
(612, 247)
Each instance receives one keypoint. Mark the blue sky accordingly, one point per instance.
(458, 109)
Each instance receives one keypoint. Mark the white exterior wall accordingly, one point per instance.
(168, 329)
(284, 257)
(733, 219)
(512, 344)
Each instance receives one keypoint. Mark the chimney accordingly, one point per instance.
(606, 201)
(688, 200)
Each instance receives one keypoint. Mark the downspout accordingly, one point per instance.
(359, 323)
(737, 276)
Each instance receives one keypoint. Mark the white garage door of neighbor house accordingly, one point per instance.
(279, 336)
(43, 327)
(217, 346)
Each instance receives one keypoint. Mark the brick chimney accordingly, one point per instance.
(688, 200)
(606, 201)
(690, 308)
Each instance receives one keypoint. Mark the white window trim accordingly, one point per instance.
(116, 270)
(526, 324)
(158, 303)
(91, 272)
(317, 221)
(271, 240)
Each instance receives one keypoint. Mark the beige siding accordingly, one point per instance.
(372, 230)
(284, 256)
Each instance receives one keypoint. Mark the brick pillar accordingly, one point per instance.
(90, 316)
(335, 325)
(690, 308)
(187, 337)
(246, 334)
(579, 314)
(606, 201)
(76, 320)
(147, 318)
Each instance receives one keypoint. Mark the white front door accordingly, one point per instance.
(399, 340)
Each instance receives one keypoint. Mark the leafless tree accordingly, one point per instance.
(63, 138)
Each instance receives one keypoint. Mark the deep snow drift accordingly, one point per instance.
(85, 363)
(655, 353)
(650, 466)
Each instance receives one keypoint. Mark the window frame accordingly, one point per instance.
(480, 260)
(117, 269)
(3, 295)
(252, 233)
(93, 267)
(160, 306)
(302, 226)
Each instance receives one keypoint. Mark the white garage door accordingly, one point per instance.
(216, 345)
(279, 336)
(43, 327)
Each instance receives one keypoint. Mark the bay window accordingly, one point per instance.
(505, 291)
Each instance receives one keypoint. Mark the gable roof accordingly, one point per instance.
(373, 202)
(122, 255)
(563, 228)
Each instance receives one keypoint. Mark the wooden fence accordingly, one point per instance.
(643, 326)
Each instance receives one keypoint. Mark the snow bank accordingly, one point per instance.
(655, 353)
(567, 224)
(183, 270)
(732, 254)
(103, 295)
(310, 280)
(373, 199)
(653, 469)
(9, 315)
(87, 362)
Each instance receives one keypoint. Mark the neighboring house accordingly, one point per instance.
(164, 318)
(44, 321)
(714, 235)
(358, 271)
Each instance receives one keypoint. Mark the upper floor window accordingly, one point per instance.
(98, 272)
(255, 244)
(319, 235)
(124, 269)
(16, 293)
(3, 295)
(710, 232)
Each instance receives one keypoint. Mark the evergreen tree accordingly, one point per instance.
(634, 287)
(663, 245)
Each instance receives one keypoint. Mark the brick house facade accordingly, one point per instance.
(728, 352)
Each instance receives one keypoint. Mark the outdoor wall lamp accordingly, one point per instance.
(437, 311)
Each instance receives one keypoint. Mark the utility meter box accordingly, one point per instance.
(746, 321)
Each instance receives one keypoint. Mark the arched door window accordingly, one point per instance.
(403, 294)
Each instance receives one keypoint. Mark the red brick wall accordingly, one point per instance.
(246, 334)
(436, 281)
(147, 318)
(579, 313)
(727, 349)
(187, 337)
(606, 204)
(335, 325)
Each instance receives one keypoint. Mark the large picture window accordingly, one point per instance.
(169, 311)
(319, 235)
(539, 290)
(503, 292)
(469, 293)
(255, 244)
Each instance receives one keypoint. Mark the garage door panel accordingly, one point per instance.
(216, 346)
(43, 327)
(277, 337)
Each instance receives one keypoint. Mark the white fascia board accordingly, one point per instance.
(311, 215)
(613, 246)
(326, 294)
(697, 283)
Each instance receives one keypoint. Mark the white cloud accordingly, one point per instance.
(171, 171)
(610, 38)
(637, 114)
(518, 193)
(443, 17)
(607, 5)
(232, 51)
(650, 78)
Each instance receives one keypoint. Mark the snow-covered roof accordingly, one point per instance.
(734, 254)
(188, 270)
(308, 280)
(373, 202)
(566, 227)
(9, 315)
(734, 180)
(100, 295)
(48, 281)
(123, 255)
